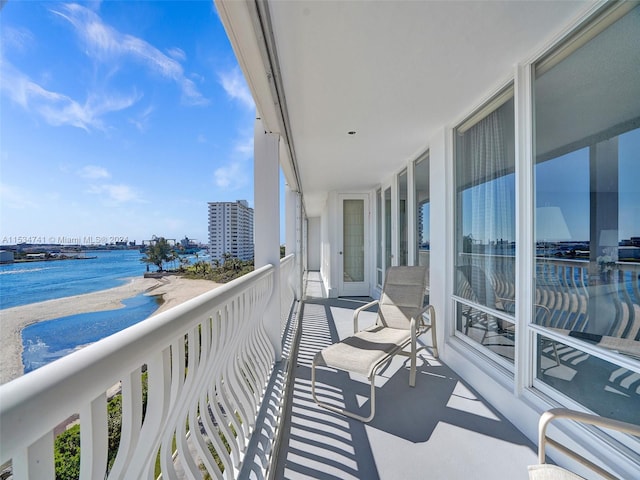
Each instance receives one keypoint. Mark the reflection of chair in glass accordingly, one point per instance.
(562, 307)
(398, 324)
(544, 471)
(622, 337)
(476, 286)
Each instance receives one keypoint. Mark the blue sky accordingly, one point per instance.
(564, 182)
(119, 119)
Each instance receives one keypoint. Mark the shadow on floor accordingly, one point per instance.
(319, 444)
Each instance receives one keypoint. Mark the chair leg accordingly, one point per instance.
(412, 373)
(555, 352)
(467, 324)
(342, 410)
(434, 339)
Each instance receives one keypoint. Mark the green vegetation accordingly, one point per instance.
(221, 272)
(67, 454)
(67, 445)
(159, 252)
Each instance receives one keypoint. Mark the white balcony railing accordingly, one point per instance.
(206, 363)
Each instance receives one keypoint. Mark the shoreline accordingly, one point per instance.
(173, 289)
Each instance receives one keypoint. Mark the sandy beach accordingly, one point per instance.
(174, 290)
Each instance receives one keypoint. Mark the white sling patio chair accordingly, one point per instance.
(545, 471)
(399, 323)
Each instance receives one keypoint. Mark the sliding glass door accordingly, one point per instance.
(587, 188)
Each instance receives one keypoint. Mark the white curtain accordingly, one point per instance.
(490, 206)
(491, 201)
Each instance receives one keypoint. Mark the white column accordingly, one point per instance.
(441, 244)
(525, 231)
(267, 221)
(293, 235)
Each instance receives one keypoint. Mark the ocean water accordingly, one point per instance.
(44, 342)
(24, 283)
(47, 341)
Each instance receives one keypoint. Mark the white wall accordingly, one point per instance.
(326, 251)
(440, 244)
(314, 243)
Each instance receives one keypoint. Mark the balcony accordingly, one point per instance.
(209, 363)
(439, 429)
(218, 398)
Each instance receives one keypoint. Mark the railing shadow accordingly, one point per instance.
(320, 444)
(316, 443)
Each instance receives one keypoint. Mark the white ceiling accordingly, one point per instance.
(395, 72)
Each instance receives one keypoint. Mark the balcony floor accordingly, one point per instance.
(439, 429)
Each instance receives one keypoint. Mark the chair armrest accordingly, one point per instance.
(506, 304)
(506, 300)
(357, 312)
(584, 418)
(419, 319)
(546, 310)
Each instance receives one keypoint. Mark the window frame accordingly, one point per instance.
(502, 95)
(527, 380)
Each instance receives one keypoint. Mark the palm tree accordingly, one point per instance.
(159, 252)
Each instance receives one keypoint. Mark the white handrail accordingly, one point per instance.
(215, 389)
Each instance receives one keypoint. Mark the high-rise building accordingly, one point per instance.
(231, 229)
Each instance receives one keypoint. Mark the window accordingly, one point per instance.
(379, 246)
(354, 239)
(587, 188)
(403, 239)
(421, 180)
(387, 228)
(485, 227)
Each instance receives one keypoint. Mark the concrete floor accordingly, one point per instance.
(440, 429)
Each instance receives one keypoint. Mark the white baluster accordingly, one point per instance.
(94, 439)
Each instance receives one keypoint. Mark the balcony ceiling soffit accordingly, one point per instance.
(396, 73)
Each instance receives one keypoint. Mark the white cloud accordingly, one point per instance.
(107, 44)
(121, 193)
(56, 108)
(94, 172)
(141, 121)
(16, 38)
(230, 177)
(16, 197)
(236, 174)
(244, 146)
(236, 87)
(177, 54)
(116, 193)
